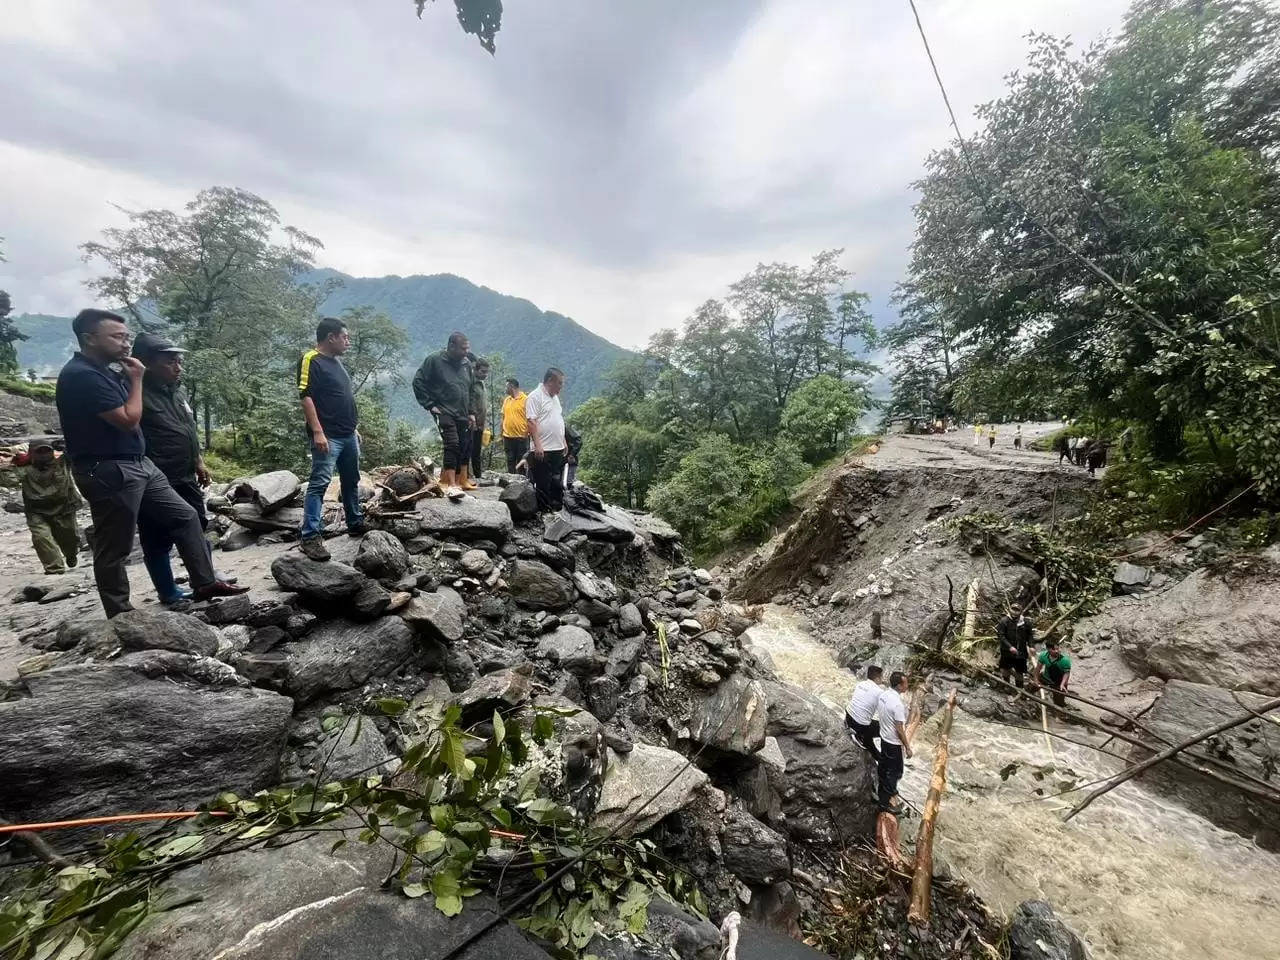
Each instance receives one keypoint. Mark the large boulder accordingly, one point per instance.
(631, 781)
(828, 778)
(103, 738)
(752, 851)
(1221, 630)
(536, 586)
(251, 517)
(613, 524)
(300, 902)
(502, 690)
(733, 718)
(1037, 934)
(521, 499)
(467, 519)
(318, 579)
(382, 556)
(1185, 709)
(573, 648)
(341, 655)
(164, 630)
(268, 491)
(440, 615)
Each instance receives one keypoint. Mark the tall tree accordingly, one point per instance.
(9, 333)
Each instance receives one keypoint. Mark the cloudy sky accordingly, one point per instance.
(618, 161)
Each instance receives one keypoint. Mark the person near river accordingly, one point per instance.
(329, 405)
(860, 713)
(442, 387)
(479, 410)
(894, 742)
(50, 502)
(977, 434)
(547, 433)
(173, 445)
(1053, 670)
(515, 426)
(991, 436)
(1016, 637)
(1017, 437)
(100, 410)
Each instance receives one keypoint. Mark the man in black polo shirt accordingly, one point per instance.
(100, 411)
(330, 408)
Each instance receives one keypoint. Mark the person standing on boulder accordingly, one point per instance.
(479, 409)
(50, 501)
(894, 742)
(1053, 670)
(546, 430)
(173, 445)
(329, 404)
(515, 426)
(442, 387)
(1014, 633)
(100, 410)
(859, 715)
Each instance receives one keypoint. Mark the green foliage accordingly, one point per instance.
(621, 461)
(1153, 155)
(25, 388)
(820, 414)
(460, 821)
(9, 336)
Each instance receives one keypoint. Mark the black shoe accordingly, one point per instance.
(219, 588)
(313, 548)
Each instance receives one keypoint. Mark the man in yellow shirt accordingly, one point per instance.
(515, 425)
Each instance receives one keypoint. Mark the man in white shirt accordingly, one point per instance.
(859, 715)
(546, 435)
(894, 742)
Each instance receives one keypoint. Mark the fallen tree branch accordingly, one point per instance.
(1133, 720)
(1164, 755)
(922, 876)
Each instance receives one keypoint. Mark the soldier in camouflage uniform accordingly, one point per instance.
(50, 500)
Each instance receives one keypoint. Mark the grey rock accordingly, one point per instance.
(613, 525)
(502, 691)
(557, 556)
(630, 622)
(352, 748)
(623, 656)
(251, 517)
(341, 655)
(1037, 934)
(754, 852)
(267, 668)
(571, 647)
(268, 491)
(597, 612)
(128, 732)
(170, 664)
(381, 555)
(468, 519)
(655, 529)
(1130, 575)
(476, 563)
(324, 580)
(233, 640)
(630, 782)
(163, 630)
(733, 719)
(440, 615)
(227, 610)
(536, 586)
(370, 601)
(521, 499)
(604, 695)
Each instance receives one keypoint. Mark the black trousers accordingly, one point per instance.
(865, 734)
(516, 448)
(119, 494)
(477, 448)
(153, 536)
(455, 434)
(546, 472)
(888, 772)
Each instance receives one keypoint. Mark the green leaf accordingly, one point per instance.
(392, 706)
(447, 892)
(414, 890)
(543, 728)
(499, 728)
(187, 843)
(452, 753)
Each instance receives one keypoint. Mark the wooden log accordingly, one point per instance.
(1164, 755)
(922, 877)
(887, 839)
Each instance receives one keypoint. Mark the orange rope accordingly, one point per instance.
(120, 818)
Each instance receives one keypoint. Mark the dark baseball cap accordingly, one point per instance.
(149, 344)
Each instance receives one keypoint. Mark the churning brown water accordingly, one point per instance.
(1139, 876)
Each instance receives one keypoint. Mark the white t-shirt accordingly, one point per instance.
(544, 408)
(891, 708)
(862, 705)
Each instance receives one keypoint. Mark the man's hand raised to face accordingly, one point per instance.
(133, 367)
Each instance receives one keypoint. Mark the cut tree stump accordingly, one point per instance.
(922, 877)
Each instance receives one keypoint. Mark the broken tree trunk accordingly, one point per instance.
(1164, 755)
(922, 878)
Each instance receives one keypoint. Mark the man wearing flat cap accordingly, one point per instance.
(50, 501)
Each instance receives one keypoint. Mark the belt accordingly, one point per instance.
(80, 463)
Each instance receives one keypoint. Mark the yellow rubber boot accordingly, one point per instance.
(464, 479)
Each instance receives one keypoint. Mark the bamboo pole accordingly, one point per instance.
(922, 877)
(1164, 755)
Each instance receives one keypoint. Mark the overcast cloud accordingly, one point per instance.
(618, 161)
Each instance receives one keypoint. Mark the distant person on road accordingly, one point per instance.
(479, 410)
(1053, 670)
(1096, 456)
(991, 436)
(515, 426)
(50, 502)
(100, 410)
(546, 431)
(1073, 446)
(1016, 638)
(173, 445)
(1017, 437)
(894, 743)
(442, 387)
(860, 714)
(977, 434)
(329, 405)
(1062, 447)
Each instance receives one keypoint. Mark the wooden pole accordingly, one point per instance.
(1164, 755)
(922, 878)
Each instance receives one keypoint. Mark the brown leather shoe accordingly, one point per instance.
(219, 588)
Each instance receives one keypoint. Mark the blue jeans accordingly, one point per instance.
(344, 453)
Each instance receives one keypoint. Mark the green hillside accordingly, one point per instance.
(50, 343)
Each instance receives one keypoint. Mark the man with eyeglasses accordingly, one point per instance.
(100, 410)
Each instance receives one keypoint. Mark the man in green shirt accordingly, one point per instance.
(50, 501)
(1054, 667)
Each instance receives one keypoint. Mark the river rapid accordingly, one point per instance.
(1137, 875)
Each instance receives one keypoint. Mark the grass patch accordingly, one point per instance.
(25, 388)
